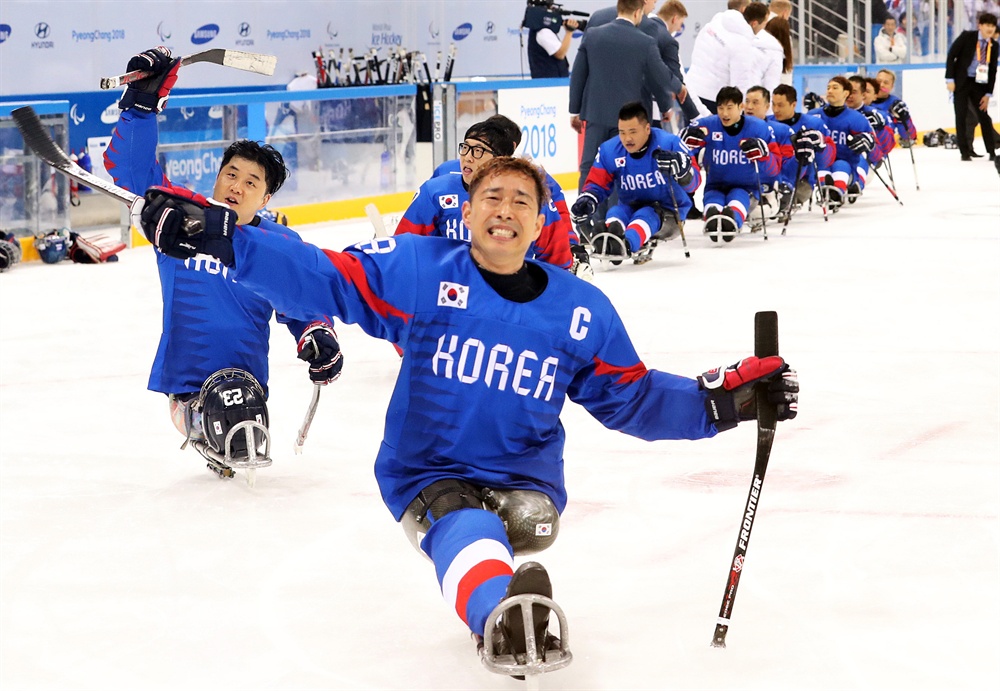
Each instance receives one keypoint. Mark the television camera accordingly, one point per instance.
(545, 14)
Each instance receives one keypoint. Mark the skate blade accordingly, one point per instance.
(530, 663)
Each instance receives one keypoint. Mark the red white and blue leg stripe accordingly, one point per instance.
(474, 563)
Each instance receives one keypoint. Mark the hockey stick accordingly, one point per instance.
(449, 64)
(765, 344)
(37, 138)
(300, 439)
(237, 59)
(822, 192)
(791, 199)
(891, 191)
(376, 220)
(677, 218)
(914, 162)
(760, 191)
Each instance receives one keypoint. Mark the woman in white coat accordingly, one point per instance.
(774, 59)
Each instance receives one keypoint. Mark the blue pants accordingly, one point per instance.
(736, 198)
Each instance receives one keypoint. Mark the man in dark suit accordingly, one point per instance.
(611, 66)
(971, 73)
(669, 19)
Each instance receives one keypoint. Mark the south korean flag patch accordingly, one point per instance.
(453, 295)
(620, 162)
(448, 201)
(716, 136)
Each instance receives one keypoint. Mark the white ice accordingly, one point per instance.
(873, 564)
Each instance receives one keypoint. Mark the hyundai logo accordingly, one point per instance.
(204, 34)
(41, 30)
(462, 31)
(244, 29)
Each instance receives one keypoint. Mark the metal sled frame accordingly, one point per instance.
(724, 234)
(220, 463)
(530, 664)
(823, 194)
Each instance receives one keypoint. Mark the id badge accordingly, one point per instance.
(982, 74)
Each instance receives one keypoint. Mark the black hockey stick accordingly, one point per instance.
(891, 191)
(37, 138)
(760, 191)
(237, 59)
(791, 199)
(765, 344)
(913, 161)
(677, 219)
(822, 191)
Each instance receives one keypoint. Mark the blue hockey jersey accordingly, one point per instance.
(482, 381)
(725, 164)
(210, 321)
(639, 180)
(436, 209)
(842, 122)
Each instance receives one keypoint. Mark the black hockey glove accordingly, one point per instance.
(319, 347)
(583, 208)
(754, 148)
(875, 119)
(694, 136)
(149, 95)
(899, 111)
(806, 143)
(861, 143)
(181, 224)
(731, 396)
(676, 164)
(812, 101)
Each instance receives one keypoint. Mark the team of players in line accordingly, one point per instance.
(751, 164)
(471, 462)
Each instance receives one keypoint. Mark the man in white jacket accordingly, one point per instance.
(724, 53)
(890, 45)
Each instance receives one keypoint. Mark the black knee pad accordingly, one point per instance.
(443, 497)
(530, 518)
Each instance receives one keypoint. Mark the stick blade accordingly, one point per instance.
(37, 137)
(250, 62)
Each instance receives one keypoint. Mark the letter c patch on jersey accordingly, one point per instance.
(578, 325)
(453, 295)
(448, 201)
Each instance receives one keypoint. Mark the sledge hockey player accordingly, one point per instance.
(863, 91)
(215, 331)
(854, 138)
(472, 459)
(436, 208)
(654, 173)
(778, 189)
(557, 199)
(740, 152)
(810, 137)
(894, 109)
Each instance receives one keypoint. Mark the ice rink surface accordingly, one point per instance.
(874, 562)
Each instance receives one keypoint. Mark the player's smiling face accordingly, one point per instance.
(634, 134)
(504, 219)
(869, 94)
(885, 82)
(729, 113)
(241, 185)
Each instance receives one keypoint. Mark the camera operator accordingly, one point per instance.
(546, 51)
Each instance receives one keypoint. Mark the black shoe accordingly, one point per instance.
(993, 157)
(975, 155)
(694, 214)
(530, 578)
(966, 158)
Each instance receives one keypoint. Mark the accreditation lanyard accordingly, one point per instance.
(983, 67)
